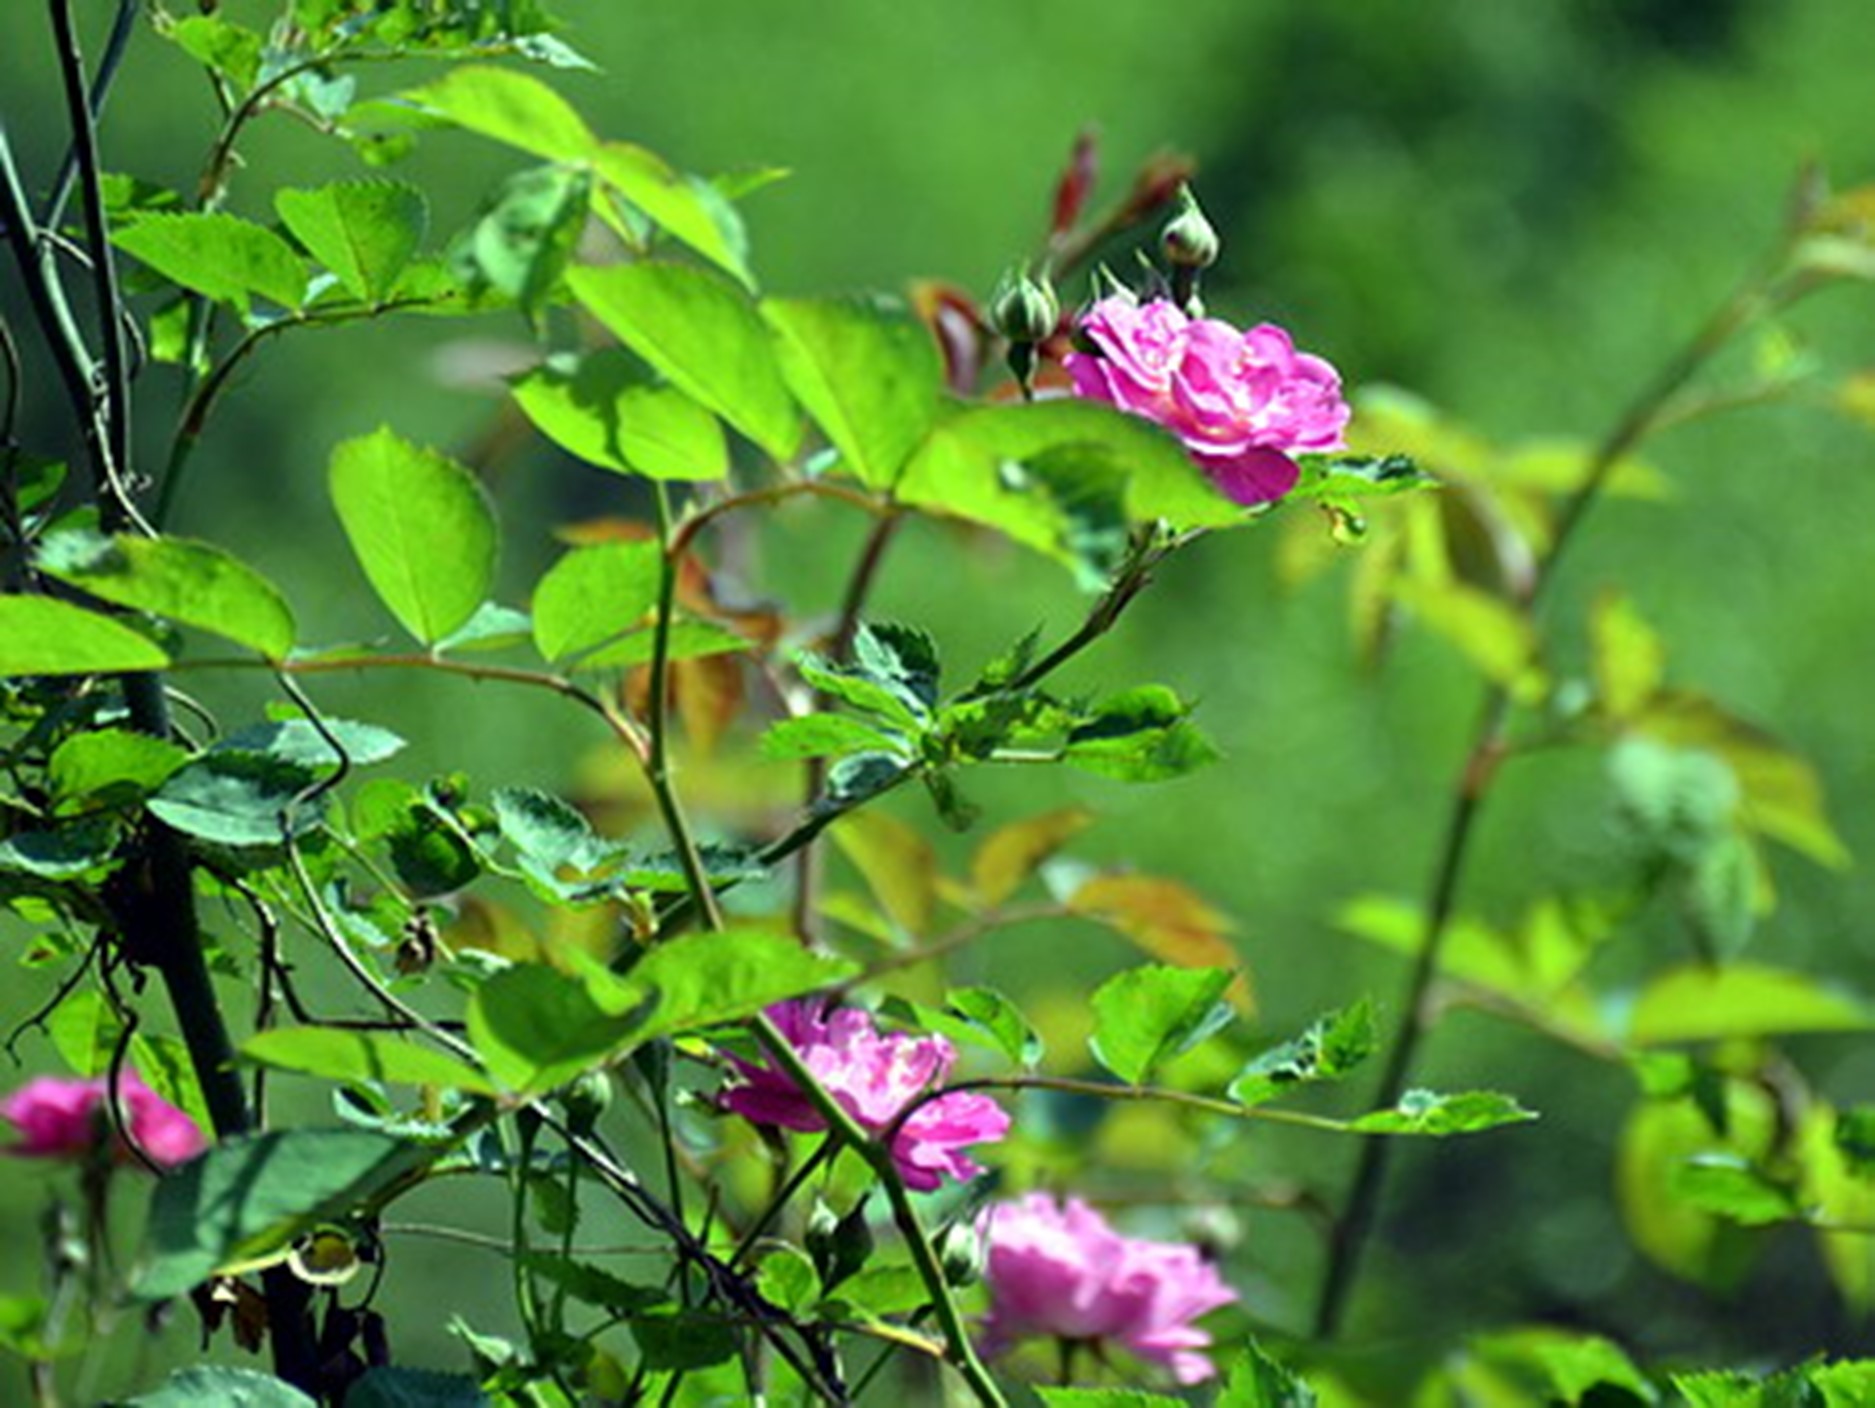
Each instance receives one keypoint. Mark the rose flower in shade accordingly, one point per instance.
(1243, 402)
(1059, 1270)
(67, 1119)
(874, 1075)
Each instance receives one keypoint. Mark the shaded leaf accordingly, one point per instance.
(252, 1195)
(898, 863)
(220, 1386)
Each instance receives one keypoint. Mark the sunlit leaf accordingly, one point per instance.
(1145, 1016)
(220, 256)
(41, 636)
(1331, 1047)
(422, 528)
(195, 584)
(601, 411)
(332, 1054)
(1699, 1002)
(869, 375)
(702, 334)
(1428, 1112)
(593, 594)
(365, 232)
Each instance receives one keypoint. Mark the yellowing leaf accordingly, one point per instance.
(1628, 658)
(1167, 921)
(898, 864)
(1012, 853)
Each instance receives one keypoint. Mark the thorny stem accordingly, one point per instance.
(1645, 414)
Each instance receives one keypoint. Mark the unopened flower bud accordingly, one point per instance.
(585, 1100)
(960, 1254)
(1188, 240)
(1024, 308)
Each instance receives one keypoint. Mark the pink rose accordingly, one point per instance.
(1063, 1272)
(1243, 402)
(874, 1076)
(66, 1119)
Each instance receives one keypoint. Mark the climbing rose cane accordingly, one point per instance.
(1061, 1271)
(1243, 402)
(66, 1119)
(874, 1076)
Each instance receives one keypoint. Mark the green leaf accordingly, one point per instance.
(704, 980)
(1140, 735)
(220, 256)
(85, 1030)
(686, 640)
(298, 742)
(361, 1057)
(251, 1195)
(675, 1339)
(594, 1285)
(1332, 1047)
(1257, 1381)
(1426, 1112)
(1562, 1367)
(853, 686)
(593, 594)
(1145, 1016)
(868, 373)
(984, 1017)
(977, 464)
(1701, 1003)
(1346, 478)
(365, 232)
(524, 239)
(196, 584)
(167, 1068)
(689, 209)
(513, 108)
(704, 335)
(1728, 1186)
(422, 528)
(902, 658)
(110, 766)
(219, 1386)
(1681, 801)
(601, 412)
(231, 50)
(823, 736)
(1626, 655)
(1105, 1398)
(786, 1278)
(40, 636)
(386, 1387)
(237, 799)
(75, 849)
(1495, 636)
(536, 1028)
(492, 627)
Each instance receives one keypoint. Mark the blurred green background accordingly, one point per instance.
(1518, 210)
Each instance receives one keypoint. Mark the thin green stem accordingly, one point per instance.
(657, 761)
(1352, 1231)
(793, 1184)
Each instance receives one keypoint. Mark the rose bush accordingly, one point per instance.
(69, 1119)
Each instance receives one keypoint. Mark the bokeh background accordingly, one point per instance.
(1516, 210)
